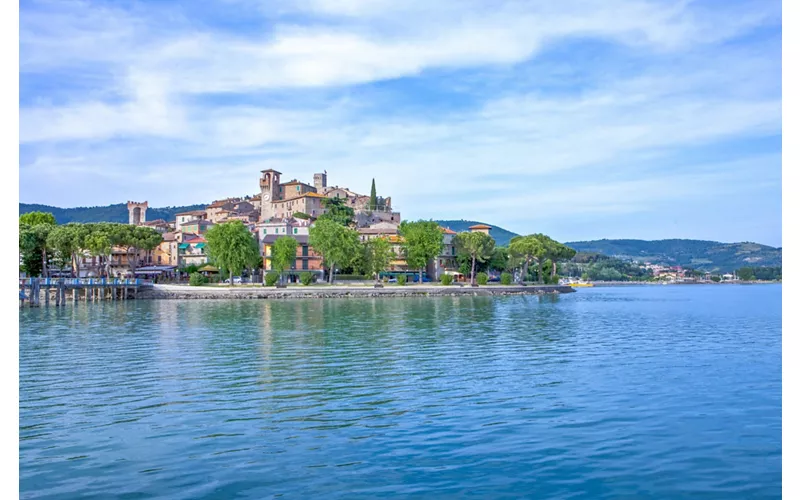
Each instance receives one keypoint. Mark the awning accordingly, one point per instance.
(183, 246)
(200, 245)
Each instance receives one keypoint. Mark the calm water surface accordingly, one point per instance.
(638, 392)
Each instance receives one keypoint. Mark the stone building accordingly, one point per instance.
(137, 213)
(283, 200)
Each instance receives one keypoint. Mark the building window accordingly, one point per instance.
(305, 264)
(305, 250)
(295, 230)
(276, 230)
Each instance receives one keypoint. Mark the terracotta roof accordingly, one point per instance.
(480, 226)
(311, 195)
(193, 238)
(157, 222)
(270, 170)
(192, 212)
(447, 230)
(168, 236)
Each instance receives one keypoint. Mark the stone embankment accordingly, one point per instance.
(298, 292)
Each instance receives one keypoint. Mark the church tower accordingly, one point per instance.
(270, 184)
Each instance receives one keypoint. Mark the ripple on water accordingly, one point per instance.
(605, 393)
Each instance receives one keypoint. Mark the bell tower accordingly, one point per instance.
(137, 213)
(270, 184)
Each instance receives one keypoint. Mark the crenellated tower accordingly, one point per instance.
(137, 213)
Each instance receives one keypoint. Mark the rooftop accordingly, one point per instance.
(480, 226)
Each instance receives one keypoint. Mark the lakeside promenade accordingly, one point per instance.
(342, 291)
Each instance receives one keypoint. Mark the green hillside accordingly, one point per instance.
(696, 254)
(500, 235)
(109, 213)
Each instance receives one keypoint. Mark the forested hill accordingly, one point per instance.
(501, 236)
(109, 213)
(696, 254)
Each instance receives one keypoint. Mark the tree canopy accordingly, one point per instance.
(337, 243)
(231, 247)
(422, 241)
(375, 256)
(284, 252)
(478, 246)
(337, 211)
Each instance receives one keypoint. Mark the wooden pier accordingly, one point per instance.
(59, 291)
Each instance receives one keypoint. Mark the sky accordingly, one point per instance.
(578, 119)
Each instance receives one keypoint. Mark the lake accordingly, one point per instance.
(629, 392)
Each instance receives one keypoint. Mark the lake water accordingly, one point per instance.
(634, 392)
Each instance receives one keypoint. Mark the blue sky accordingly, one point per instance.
(579, 119)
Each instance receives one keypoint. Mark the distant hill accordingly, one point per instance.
(109, 213)
(501, 236)
(695, 254)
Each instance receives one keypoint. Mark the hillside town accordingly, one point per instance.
(279, 209)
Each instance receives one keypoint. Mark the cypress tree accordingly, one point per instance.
(373, 197)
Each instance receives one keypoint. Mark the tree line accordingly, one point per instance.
(42, 243)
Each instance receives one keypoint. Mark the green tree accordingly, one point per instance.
(337, 243)
(478, 246)
(557, 252)
(36, 218)
(68, 242)
(373, 197)
(500, 260)
(136, 238)
(34, 228)
(422, 241)
(746, 273)
(376, 255)
(284, 252)
(525, 250)
(232, 247)
(98, 243)
(337, 211)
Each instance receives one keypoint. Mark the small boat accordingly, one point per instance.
(576, 283)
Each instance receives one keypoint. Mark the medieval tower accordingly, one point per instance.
(137, 213)
(321, 181)
(270, 184)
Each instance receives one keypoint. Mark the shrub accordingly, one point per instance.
(401, 279)
(306, 278)
(482, 278)
(447, 279)
(301, 215)
(197, 279)
(271, 278)
(505, 278)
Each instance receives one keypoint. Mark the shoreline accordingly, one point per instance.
(178, 292)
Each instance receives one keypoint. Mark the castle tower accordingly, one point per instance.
(137, 213)
(270, 184)
(321, 181)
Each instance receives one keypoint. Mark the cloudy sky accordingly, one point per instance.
(579, 119)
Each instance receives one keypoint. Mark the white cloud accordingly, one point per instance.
(213, 106)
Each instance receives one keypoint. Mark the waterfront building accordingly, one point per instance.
(307, 260)
(166, 253)
(446, 261)
(191, 250)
